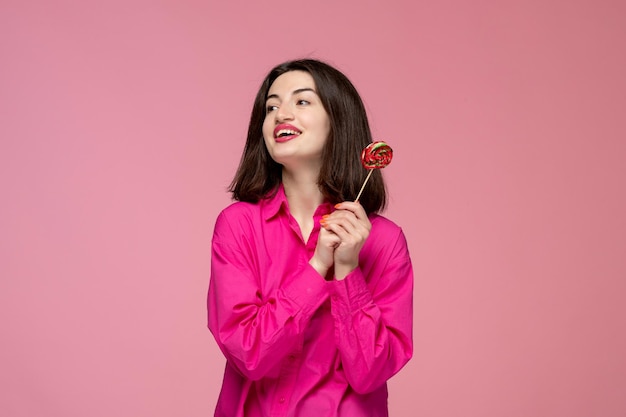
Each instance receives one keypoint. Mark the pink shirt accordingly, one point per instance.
(296, 344)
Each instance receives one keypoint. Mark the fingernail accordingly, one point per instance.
(325, 216)
(337, 205)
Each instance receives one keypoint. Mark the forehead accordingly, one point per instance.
(291, 81)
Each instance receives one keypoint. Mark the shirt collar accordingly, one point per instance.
(274, 203)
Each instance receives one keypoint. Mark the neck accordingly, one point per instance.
(302, 192)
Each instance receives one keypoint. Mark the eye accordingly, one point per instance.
(303, 102)
(270, 108)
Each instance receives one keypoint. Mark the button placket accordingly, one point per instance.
(285, 385)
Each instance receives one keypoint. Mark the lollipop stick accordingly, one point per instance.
(363, 186)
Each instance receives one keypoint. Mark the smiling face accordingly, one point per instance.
(296, 125)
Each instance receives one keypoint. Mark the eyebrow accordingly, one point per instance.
(294, 92)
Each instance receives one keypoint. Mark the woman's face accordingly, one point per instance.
(296, 125)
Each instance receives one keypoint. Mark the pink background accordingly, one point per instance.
(122, 122)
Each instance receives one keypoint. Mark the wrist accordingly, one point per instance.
(319, 267)
(341, 271)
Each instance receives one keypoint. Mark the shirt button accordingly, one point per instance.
(281, 400)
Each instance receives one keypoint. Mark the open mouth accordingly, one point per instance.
(285, 132)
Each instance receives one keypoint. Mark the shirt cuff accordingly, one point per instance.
(350, 294)
(309, 290)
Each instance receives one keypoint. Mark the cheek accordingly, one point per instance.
(268, 128)
(327, 128)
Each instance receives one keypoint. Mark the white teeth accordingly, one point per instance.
(286, 132)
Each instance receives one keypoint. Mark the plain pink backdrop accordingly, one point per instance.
(122, 122)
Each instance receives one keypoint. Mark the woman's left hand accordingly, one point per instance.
(351, 224)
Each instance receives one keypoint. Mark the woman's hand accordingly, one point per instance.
(323, 258)
(351, 226)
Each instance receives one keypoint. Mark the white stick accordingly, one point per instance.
(363, 186)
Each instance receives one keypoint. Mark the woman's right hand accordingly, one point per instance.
(323, 258)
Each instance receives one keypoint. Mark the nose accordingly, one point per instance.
(284, 113)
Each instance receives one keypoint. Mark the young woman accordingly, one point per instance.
(310, 297)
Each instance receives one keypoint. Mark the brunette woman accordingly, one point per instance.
(310, 298)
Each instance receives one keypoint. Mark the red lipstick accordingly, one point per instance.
(285, 132)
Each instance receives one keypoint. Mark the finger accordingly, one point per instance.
(349, 234)
(346, 223)
(350, 222)
(338, 230)
(328, 236)
(352, 206)
(342, 216)
(355, 208)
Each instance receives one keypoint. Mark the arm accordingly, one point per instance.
(255, 330)
(374, 321)
(373, 317)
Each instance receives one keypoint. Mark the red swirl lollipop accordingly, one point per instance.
(376, 155)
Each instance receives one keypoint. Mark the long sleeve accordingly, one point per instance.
(373, 319)
(257, 320)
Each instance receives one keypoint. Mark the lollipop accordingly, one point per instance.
(376, 155)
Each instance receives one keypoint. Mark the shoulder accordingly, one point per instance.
(387, 236)
(238, 209)
(236, 218)
(382, 225)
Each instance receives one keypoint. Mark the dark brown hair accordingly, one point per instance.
(341, 174)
